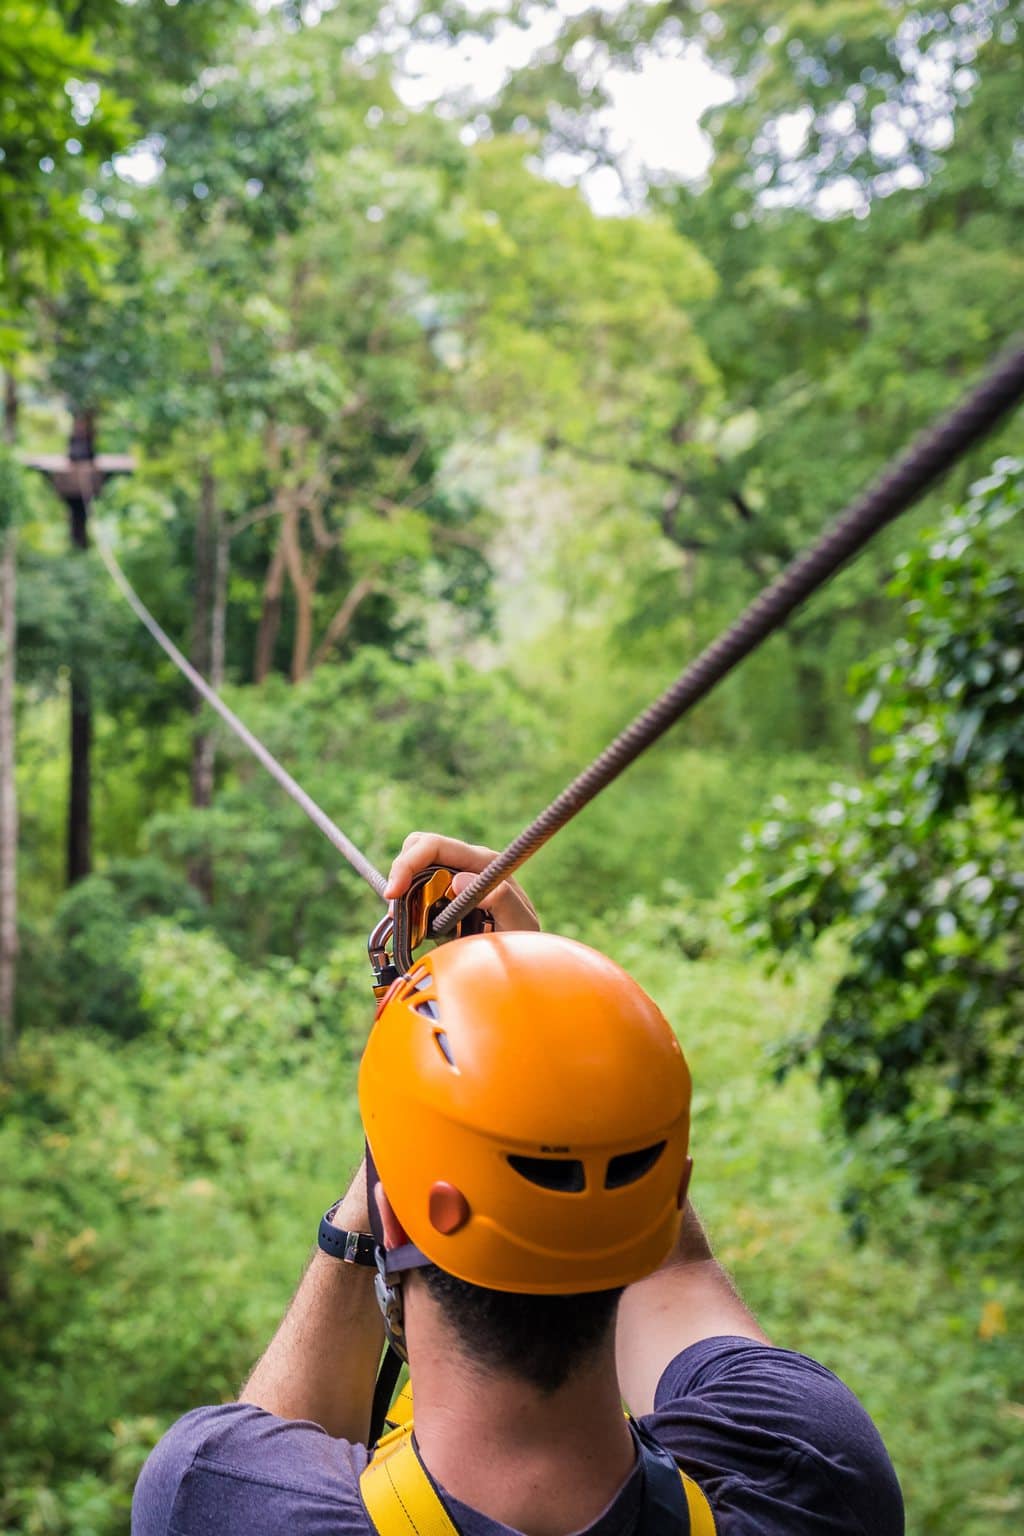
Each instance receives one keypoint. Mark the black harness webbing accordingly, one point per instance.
(391, 1363)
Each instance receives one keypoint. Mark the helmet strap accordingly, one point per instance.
(388, 1291)
(372, 1180)
(392, 1264)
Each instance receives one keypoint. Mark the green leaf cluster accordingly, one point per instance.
(136, 1167)
(58, 121)
(919, 871)
(12, 491)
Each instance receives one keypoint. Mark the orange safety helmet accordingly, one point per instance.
(527, 1108)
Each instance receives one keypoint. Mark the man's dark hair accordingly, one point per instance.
(540, 1339)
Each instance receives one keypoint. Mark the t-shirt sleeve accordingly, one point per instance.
(239, 1471)
(777, 1442)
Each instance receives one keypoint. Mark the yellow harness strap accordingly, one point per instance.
(398, 1495)
(401, 1500)
(400, 1411)
(702, 1521)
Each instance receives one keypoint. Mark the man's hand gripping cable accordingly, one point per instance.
(408, 921)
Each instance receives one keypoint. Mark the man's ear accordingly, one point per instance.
(395, 1235)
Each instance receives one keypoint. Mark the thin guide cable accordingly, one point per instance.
(319, 818)
(896, 489)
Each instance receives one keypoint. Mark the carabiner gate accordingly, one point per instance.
(408, 921)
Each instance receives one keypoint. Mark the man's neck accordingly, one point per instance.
(544, 1463)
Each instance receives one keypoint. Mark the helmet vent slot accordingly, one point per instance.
(441, 1040)
(630, 1166)
(562, 1173)
(429, 1009)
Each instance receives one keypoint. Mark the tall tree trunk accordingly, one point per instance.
(8, 787)
(8, 798)
(270, 617)
(11, 402)
(209, 524)
(202, 630)
(79, 847)
(219, 619)
(304, 586)
(79, 843)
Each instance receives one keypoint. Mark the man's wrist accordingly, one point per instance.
(351, 1213)
(343, 1243)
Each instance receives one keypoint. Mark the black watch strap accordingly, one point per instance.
(351, 1247)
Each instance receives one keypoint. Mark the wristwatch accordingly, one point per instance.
(350, 1247)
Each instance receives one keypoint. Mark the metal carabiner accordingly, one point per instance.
(408, 921)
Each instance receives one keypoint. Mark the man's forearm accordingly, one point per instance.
(321, 1363)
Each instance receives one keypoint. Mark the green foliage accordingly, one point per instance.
(674, 826)
(135, 1164)
(244, 156)
(263, 332)
(12, 491)
(860, 217)
(919, 870)
(93, 927)
(81, 81)
(812, 86)
(56, 123)
(586, 329)
(383, 747)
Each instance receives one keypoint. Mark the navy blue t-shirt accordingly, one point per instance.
(779, 1445)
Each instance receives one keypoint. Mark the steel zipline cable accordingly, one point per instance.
(901, 484)
(319, 818)
(896, 489)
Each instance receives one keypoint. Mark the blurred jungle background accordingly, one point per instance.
(455, 371)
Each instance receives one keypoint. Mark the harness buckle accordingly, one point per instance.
(408, 921)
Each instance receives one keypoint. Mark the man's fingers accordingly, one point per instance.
(423, 848)
(508, 904)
